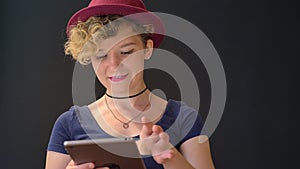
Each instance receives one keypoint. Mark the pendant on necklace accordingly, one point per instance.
(125, 125)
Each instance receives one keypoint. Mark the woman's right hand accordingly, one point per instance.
(72, 165)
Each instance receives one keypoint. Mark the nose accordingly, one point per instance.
(114, 59)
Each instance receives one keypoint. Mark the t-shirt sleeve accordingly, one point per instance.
(60, 133)
(192, 124)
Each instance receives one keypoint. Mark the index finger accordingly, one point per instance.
(147, 128)
(157, 129)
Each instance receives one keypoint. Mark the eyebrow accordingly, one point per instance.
(122, 46)
(127, 44)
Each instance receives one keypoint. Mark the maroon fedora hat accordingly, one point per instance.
(123, 8)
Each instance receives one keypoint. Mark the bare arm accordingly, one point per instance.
(194, 155)
(197, 152)
(56, 160)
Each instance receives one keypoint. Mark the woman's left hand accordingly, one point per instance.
(155, 141)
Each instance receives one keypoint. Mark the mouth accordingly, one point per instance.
(118, 78)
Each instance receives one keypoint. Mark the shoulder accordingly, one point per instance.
(67, 117)
(71, 114)
(65, 127)
(65, 121)
(180, 109)
(68, 122)
(181, 122)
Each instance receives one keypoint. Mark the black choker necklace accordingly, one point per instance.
(126, 97)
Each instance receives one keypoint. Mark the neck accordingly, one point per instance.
(125, 92)
(127, 97)
(131, 104)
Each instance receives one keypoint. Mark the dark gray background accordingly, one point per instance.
(258, 42)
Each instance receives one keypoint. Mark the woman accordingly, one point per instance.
(117, 47)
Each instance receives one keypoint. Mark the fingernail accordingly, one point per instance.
(145, 120)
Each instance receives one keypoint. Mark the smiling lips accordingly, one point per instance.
(118, 78)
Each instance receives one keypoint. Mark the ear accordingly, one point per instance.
(149, 49)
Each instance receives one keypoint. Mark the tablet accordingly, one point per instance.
(115, 153)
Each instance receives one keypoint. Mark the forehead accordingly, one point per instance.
(125, 34)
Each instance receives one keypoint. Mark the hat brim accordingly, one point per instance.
(138, 14)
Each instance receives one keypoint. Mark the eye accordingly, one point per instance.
(127, 52)
(98, 57)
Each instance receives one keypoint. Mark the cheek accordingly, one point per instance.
(135, 62)
(99, 71)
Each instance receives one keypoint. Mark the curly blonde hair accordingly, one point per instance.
(80, 35)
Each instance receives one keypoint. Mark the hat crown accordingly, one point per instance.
(133, 3)
(122, 8)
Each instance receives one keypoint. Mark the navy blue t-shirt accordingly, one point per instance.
(179, 121)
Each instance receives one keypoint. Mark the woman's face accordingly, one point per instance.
(119, 62)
